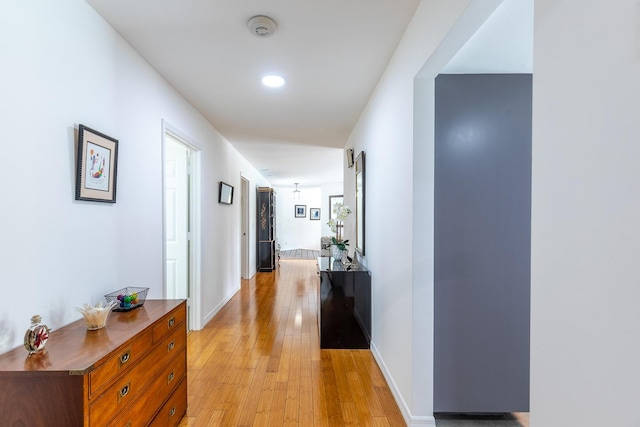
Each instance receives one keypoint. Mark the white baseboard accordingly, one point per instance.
(217, 308)
(412, 421)
(423, 421)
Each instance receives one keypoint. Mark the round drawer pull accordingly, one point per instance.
(171, 345)
(171, 322)
(172, 412)
(170, 377)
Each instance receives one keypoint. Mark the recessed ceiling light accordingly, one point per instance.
(273, 81)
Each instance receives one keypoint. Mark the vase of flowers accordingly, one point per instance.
(338, 244)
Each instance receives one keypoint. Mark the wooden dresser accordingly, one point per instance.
(130, 373)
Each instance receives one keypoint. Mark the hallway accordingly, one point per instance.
(258, 362)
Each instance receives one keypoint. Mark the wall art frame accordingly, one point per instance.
(360, 202)
(314, 214)
(97, 166)
(225, 193)
(301, 211)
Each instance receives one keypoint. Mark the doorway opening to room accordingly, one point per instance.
(181, 220)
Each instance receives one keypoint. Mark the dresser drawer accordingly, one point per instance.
(164, 384)
(122, 394)
(129, 355)
(169, 322)
(175, 408)
(173, 343)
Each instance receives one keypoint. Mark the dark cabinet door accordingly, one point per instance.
(344, 298)
(266, 224)
(266, 253)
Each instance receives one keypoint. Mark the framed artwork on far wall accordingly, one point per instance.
(301, 211)
(314, 214)
(97, 166)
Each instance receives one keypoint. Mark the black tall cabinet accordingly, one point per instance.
(266, 224)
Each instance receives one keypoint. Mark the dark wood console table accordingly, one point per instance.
(344, 312)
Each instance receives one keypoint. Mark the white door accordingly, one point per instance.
(177, 218)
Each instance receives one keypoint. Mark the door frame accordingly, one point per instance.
(474, 16)
(245, 228)
(195, 246)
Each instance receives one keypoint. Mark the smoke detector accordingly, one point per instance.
(262, 26)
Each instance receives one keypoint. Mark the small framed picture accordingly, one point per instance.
(301, 211)
(97, 165)
(225, 193)
(314, 214)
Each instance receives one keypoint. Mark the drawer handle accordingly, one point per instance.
(123, 392)
(171, 322)
(170, 377)
(171, 345)
(125, 357)
(172, 412)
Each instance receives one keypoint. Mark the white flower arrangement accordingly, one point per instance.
(341, 213)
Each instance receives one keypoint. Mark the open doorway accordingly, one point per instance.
(181, 235)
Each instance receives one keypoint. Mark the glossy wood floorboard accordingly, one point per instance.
(259, 363)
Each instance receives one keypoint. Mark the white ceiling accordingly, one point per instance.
(331, 53)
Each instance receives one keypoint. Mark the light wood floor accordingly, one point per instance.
(258, 363)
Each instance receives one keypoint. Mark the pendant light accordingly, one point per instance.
(296, 192)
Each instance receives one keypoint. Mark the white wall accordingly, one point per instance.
(298, 233)
(62, 65)
(385, 133)
(586, 200)
(585, 320)
(303, 233)
(396, 132)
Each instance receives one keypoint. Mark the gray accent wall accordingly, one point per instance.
(482, 243)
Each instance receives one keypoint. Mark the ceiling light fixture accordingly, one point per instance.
(273, 81)
(296, 192)
(261, 26)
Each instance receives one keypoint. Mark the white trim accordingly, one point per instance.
(195, 267)
(404, 408)
(423, 421)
